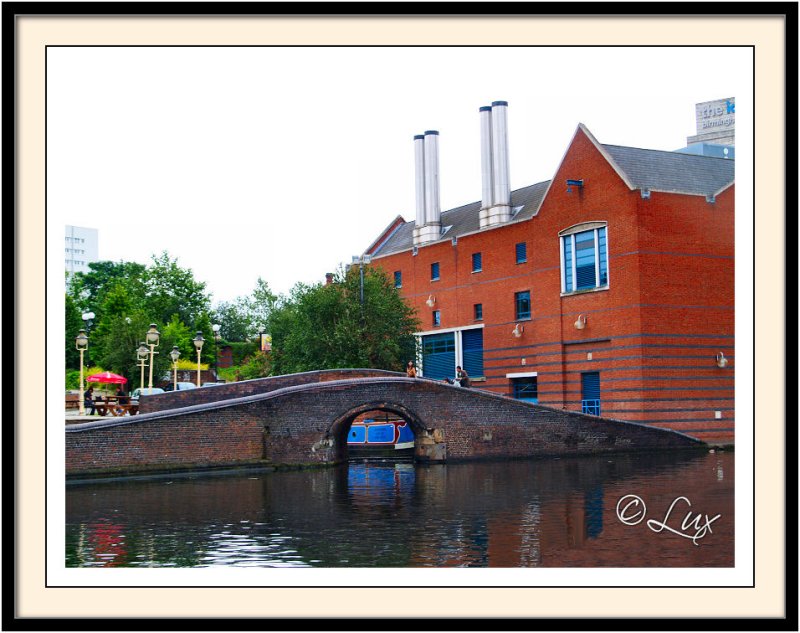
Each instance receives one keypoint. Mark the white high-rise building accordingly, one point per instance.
(80, 249)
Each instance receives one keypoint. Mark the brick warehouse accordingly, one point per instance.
(608, 289)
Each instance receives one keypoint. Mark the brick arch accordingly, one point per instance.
(338, 428)
(294, 420)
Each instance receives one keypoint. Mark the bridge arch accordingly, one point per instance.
(337, 430)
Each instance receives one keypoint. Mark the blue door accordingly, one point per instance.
(590, 392)
(439, 356)
(472, 350)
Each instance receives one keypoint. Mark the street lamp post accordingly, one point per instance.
(142, 353)
(362, 259)
(152, 337)
(198, 343)
(81, 344)
(216, 328)
(174, 355)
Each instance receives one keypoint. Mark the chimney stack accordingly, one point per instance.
(496, 185)
(429, 215)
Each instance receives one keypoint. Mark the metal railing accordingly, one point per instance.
(592, 407)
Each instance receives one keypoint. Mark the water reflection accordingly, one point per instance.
(549, 513)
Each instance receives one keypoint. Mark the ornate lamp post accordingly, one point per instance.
(142, 353)
(198, 343)
(216, 328)
(81, 344)
(174, 355)
(152, 337)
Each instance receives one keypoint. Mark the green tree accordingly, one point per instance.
(327, 326)
(89, 290)
(261, 305)
(170, 289)
(235, 320)
(73, 325)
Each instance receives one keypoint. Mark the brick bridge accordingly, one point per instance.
(303, 419)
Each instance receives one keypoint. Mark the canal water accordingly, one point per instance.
(646, 510)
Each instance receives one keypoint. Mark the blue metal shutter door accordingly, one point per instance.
(472, 349)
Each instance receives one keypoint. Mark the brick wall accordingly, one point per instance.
(308, 423)
(653, 333)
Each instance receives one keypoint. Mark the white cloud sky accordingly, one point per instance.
(284, 162)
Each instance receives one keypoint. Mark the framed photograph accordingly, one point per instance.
(587, 218)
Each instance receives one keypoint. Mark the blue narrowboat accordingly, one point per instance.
(380, 438)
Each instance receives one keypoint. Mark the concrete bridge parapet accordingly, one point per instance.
(307, 423)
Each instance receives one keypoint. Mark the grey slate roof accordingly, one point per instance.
(463, 220)
(655, 170)
(672, 171)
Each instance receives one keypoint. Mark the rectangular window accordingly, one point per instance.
(522, 252)
(479, 312)
(585, 260)
(476, 262)
(522, 303)
(434, 271)
(525, 389)
(398, 279)
(437, 319)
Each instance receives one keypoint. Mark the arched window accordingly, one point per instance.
(584, 257)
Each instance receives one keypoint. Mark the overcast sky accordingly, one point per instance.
(285, 162)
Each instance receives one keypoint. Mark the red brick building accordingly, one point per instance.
(608, 289)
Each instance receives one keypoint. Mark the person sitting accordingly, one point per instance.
(121, 397)
(462, 377)
(411, 371)
(88, 401)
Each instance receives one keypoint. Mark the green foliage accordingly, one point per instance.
(73, 325)
(258, 365)
(170, 289)
(234, 319)
(241, 351)
(326, 326)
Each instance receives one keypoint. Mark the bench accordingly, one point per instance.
(72, 401)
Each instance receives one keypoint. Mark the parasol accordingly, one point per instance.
(107, 376)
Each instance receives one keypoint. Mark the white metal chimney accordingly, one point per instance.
(419, 177)
(487, 187)
(429, 224)
(496, 185)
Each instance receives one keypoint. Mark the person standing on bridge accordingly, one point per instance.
(411, 371)
(462, 377)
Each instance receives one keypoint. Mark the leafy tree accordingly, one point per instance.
(235, 319)
(261, 305)
(327, 326)
(89, 290)
(73, 325)
(170, 289)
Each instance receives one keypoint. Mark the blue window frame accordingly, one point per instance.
(398, 279)
(585, 260)
(479, 312)
(526, 388)
(521, 250)
(476, 262)
(434, 271)
(522, 304)
(437, 318)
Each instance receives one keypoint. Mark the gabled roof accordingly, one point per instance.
(464, 220)
(672, 172)
(646, 169)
